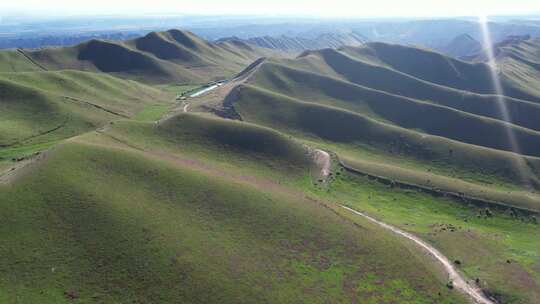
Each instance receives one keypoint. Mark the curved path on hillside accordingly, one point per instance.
(323, 160)
(476, 295)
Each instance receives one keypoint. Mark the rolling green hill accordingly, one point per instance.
(520, 64)
(119, 185)
(439, 69)
(437, 119)
(106, 221)
(234, 145)
(411, 135)
(41, 108)
(166, 57)
(428, 127)
(15, 61)
(310, 80)
(426, 65)
(330, 124)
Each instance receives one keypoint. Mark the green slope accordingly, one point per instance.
(236, 146)
(130, 202)
(520, 64)
(114, 58)
(426, 65)
(352, 134)
(44, 107)
(376, 76)
(33, 116)
(437, 68)
(124, 97)
(497, 247)
(15, 61)
(160, 57)
(409, 113)
(316, 83)
(358, 105)
(109, 223)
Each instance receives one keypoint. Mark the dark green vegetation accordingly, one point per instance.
(109, 193)
(501, 249)
(521, 64)
(165, 57)
(40, 108)
(421, 120)
(107, 220)
(369, 103)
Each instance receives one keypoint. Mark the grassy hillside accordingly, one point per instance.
(399, 173)
(309, 82)
(112, 192)
(406, 112)
(359, 106)
(121, 96)
(41, 108)
(491, 244)
(30, 115)
(15, 61)
(346, 131)
(166, 47)
(439, 69)
(427, 65)
(157, 58)
(95, 227)
(520, 64)
(396, 83)
(498, 248)
(114, 58)
(232, 145)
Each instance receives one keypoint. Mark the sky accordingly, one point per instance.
(324, 8)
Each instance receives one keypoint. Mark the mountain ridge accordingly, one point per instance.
(158, 57)
(299, 44)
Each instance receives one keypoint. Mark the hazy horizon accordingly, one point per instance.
(276, 8)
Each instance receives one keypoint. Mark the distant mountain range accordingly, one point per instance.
(462, 45)
(158, 57)
(284, 34)
(128, 175)
(298, 44)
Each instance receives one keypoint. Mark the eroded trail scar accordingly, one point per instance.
(474, 293)
(323, 161)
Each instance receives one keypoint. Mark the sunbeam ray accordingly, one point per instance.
(501, 103)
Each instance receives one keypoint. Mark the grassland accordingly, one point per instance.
(243, 148)
(109, 223)
(438, 132)
(14, 61)
(158, 58)
(329, 124)
(319, 84)
(519, 63)
(39, 109)
(114, 197)
(338, 101)
(177, 88)
(500, 249)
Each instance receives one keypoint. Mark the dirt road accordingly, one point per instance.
(323, 160)
(459, 283)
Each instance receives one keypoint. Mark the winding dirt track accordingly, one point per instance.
(474, 293)
(323, 160)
